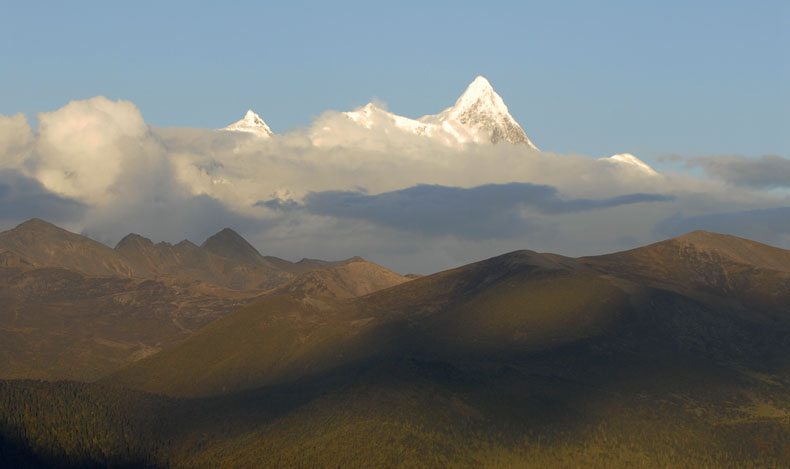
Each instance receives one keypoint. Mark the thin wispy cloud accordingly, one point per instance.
(766, 171)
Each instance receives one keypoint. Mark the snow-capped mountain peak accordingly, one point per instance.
(479, 115)
(251, 123)
(482, 113)
(370, 115)
(479, 96)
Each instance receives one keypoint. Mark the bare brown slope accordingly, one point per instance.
(227, 243)
(186, 261)
(46, 245)
(736, 272)
(60, 324)
(355, 278)
(696, 249)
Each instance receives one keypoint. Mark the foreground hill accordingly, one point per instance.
(671, 355)
(515, 303)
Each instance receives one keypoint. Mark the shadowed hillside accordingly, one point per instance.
(510, 304)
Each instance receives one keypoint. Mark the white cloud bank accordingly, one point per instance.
(339, 189)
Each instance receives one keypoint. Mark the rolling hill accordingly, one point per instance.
(512, 305)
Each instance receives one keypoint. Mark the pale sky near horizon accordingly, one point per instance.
(593, 78)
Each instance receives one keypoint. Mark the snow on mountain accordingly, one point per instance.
(251, 123)
(629, 159)
(479, 115)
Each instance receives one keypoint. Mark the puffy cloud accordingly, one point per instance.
(337, 189)
(84, 147)
(241, 170)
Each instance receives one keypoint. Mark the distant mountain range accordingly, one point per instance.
(478, 116)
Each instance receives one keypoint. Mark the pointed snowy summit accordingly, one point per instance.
(482, 113)
(251, 123)
(479, 115)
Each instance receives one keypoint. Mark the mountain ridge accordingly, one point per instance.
(45, 244)
(518, 303)
(479, 115)
(62, 316)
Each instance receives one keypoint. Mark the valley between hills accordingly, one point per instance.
(675, 354)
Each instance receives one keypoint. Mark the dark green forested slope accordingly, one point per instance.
(421, 413)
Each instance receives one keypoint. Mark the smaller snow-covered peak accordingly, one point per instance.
(364, 116)
(370, 115)
(629, 159)
(251, 123)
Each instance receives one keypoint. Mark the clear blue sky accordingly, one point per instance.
(588, 77)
